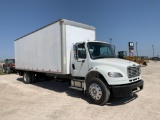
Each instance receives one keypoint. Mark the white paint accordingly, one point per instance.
(76, 35)
(40, 50)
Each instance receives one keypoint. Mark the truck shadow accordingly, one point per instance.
(58, 87)
(64, 87)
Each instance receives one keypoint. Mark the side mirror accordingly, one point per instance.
(75, 49)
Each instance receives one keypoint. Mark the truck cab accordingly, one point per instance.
(96, 70)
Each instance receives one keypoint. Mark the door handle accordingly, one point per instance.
(83, 61)
(73, 66)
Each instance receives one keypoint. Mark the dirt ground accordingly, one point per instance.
(50, 100)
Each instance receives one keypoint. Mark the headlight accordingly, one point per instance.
(114, 74)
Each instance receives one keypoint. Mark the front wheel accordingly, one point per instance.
(8, 70)
(98, 91)
(4, 70)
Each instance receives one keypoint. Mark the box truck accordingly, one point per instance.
(68, 51)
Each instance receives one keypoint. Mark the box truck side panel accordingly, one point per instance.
(40, 50)
(75, 35)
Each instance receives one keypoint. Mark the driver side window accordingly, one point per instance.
(81, 51)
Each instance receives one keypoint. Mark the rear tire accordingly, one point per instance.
(20, 73)
(97, 91)
(27, 79)
(34, 77)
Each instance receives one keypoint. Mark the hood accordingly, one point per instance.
(114, 62)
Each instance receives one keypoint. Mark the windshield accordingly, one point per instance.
(10, 61)
(100, 50)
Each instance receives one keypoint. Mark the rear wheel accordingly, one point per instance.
(27, 79)
(34, 77)
(98, 91)
(21, 73)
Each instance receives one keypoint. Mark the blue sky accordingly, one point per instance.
(122, 20)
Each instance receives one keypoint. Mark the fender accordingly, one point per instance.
(102, 71)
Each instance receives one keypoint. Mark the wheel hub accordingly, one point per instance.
(95, 91)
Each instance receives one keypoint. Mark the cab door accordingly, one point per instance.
(79, 63)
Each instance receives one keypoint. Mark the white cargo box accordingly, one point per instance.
(48, 49)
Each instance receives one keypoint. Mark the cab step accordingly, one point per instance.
(76, 88)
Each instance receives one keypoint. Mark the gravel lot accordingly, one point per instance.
(55, 101)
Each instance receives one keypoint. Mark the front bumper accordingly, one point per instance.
(126, 90)
(12, 68)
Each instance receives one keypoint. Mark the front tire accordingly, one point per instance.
(4, 71)
(8, 71)
(97, 91)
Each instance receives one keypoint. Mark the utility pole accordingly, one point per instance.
(153, 49)
(136, 48)
(110, 40)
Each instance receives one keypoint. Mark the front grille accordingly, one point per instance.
(133, 71)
